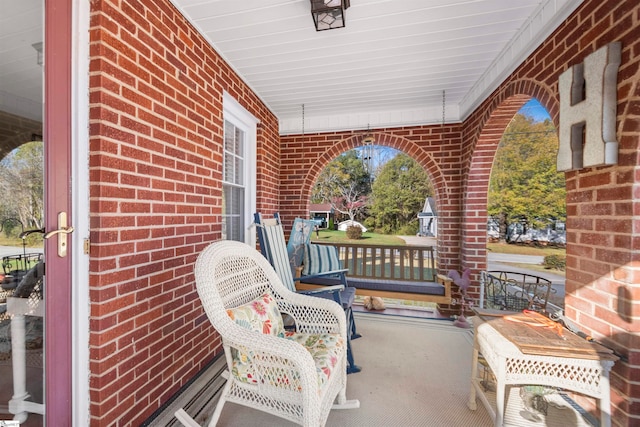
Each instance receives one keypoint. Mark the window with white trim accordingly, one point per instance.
(238, 172)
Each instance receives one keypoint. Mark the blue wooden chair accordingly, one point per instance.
(274, 248)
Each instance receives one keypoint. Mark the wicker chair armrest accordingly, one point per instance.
(314, 315)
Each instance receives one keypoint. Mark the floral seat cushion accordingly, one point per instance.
(326, 350)
(262, 315)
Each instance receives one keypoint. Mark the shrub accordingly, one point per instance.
(370, 223)
(556, 262)
(34, 240)
(410, 229)
(354, 232)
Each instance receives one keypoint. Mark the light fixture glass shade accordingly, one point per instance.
(328, 14)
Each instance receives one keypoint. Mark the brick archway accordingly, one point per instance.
(424, 159)
(486, 136)
(15, 131)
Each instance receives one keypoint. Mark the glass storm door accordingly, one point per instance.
(35, 140)
(58, 215)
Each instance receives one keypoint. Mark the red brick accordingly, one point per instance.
(152, 125)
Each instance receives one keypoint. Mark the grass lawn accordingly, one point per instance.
(505, 248)
(333, 236)
(10, 241)
(15, 241)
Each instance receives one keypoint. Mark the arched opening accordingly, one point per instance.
(490, 133)
(424, 162)
(379, 188)
(384, 141)
(526, 205)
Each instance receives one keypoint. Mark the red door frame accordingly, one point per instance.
(57, 137)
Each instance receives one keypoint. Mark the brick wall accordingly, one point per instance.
(603, 261)
(155, 200)
(155, 144)
(602, 227)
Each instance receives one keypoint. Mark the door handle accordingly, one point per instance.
(61, 232)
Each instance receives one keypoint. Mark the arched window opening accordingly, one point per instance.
(379, 187)
(526, 201)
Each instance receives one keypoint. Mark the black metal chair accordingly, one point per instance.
(511, 291)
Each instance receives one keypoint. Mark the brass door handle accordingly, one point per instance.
(61, 232)
(66, 230)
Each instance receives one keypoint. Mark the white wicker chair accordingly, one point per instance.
(285, 378)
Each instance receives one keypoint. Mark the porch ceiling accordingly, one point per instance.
(388, 67)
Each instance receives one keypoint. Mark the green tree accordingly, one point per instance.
(21, 181)
(524, 184)
(398, 194)
(345, 184)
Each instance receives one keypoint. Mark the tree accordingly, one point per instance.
(21, 181)
(524, 184)
(345, 184)
(398, 194)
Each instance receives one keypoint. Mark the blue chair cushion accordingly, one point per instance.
(319, 259)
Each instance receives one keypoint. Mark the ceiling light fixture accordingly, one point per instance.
(328, 14)
(368, 136)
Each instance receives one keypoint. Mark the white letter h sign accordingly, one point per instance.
(588, 98)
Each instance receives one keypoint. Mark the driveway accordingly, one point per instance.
(17, 250)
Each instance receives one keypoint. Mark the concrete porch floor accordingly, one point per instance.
(416, 372)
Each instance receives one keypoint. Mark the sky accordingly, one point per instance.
(534, 109)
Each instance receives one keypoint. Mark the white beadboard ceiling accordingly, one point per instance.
(390, 65)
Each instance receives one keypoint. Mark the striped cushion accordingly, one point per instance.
(320, 258)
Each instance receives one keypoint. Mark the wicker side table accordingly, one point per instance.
(510, 366)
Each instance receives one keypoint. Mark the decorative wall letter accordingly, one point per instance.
(588, 99)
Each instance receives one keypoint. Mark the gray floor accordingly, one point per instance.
(415, 373)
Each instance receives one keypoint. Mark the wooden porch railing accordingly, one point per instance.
(401, 263)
